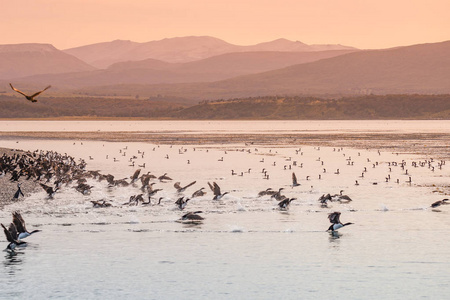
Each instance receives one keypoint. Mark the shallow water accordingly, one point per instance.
(245, 248)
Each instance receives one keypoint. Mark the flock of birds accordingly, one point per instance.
(53, 171)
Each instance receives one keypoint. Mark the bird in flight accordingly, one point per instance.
(30, 98)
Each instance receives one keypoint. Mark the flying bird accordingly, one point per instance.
(12, 236)
(180, 188)
(30, 98)
(336, 223)
(20, 226)
(216, 190)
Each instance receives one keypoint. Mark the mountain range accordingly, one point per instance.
(199, 68)
(182, 49)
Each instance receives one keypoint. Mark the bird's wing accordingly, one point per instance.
(18, 90)
(192, 183)
(37, 93)
(47, 188)
(19, 222)
(13, 231)
(211, 186)
(294, 179)
(216, 189)
(8, 234)
(334, 217)
(136, 174)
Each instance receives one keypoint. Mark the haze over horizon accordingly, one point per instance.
(360, 24)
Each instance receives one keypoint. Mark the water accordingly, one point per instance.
(245, 248)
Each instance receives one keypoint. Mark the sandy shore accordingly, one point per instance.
(8, 188)
(433, 145)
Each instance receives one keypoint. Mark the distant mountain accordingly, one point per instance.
(153, 71)
(421, 68)
(21, 60)
(181, 49)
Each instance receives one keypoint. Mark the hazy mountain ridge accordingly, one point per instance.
(418, 69)
(211, 69)
(21, 60)
(181, 49)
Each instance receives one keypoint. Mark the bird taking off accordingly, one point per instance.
(29, 98)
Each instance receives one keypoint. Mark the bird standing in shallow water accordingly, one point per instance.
(30, 98)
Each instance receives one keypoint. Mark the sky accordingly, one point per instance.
(365, 24)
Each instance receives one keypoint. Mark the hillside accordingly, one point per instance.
(414, 69)
(181, 49)
(153, 71)
(22, 60)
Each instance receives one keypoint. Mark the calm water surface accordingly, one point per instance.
(245, 248)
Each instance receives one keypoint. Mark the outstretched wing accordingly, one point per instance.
(211, 187)
(47, 188)
(36, 94)
(216, 189)
(334, 217)
(136, 174)
(192, 183)
(294, 179)
(19, 222)
(8, 234)
(20, 92)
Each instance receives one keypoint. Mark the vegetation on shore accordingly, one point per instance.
(267, 108)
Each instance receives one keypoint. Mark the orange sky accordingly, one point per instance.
(363, 24)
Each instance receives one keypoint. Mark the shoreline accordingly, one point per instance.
(435, 145)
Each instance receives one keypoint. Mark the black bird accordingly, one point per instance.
(181, 189)
(285, 203)
(278, 195)
(216, 190)
(294, 180)
(181, 203)
(192, 216)
(439, 203)
(164, 177)
(199, 193)
(20, 226)
(12, 237)
(30, 98)
(49, 190)
(101, 203)
(336, 223)
(135, 175)
(343, 198)
(323, 199)
(18, 193)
